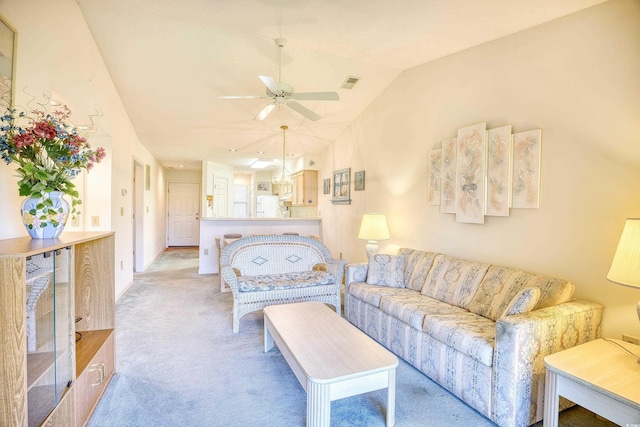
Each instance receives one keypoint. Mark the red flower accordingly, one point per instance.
(45, 130)
(23, 140)
(101, 153)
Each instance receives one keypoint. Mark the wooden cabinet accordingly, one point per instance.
(305, 188)
(88, 276)
(93, 373)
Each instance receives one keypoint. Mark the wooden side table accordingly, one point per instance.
(599, 375)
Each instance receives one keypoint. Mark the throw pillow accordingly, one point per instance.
(523, 302)
(386, 270)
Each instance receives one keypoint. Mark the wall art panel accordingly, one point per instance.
(470, 174)
(498, 171)
(433, 190)
(526, 169)
(448, 176)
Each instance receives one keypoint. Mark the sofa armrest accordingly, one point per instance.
(336, 267)
(522, 342)
(230, 276)
(356, 272)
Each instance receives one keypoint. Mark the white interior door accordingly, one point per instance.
(184, 213)
(220, 194)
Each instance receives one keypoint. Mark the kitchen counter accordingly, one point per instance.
(212, 227)
(258, 219)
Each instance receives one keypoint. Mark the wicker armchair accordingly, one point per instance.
(279, 269)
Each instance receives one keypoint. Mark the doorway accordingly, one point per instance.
(138, 216)
(184, 214)
(220, 194)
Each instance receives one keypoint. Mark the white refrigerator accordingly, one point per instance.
(267, 206)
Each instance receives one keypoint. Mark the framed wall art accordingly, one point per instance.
(263, 186)
(358, 181)
(8, 48)
(433, 186)
(498, 171)
(341, 194)
(448, 178)
(526, 169)
(326, 186)
(471, 150)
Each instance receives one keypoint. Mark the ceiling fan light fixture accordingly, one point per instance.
(282, 93)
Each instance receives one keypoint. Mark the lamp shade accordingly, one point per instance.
(625, 267)
(374, 227)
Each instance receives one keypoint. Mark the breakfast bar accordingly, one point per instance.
(212, 227)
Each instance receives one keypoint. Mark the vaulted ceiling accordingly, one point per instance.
(171, 59)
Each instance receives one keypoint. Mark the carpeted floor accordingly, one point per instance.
(179, 364)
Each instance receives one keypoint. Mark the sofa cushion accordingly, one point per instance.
(412, 307)
(300, 279)
(501, 284)
(386, 270)
(469, 333)
(523, 302)
(371, 294)
(416, 267)
(453, 280)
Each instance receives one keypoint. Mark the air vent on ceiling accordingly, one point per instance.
(350, 82)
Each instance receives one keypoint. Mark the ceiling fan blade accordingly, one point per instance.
(270, 83)
(303, 110)
(316, 96)
(242, 97)
(265, 111)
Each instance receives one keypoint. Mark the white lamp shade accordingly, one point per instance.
(625, 268)
(374, 227)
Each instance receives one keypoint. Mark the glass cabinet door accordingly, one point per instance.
(50, 331)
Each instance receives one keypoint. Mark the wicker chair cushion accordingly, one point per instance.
(300, 279)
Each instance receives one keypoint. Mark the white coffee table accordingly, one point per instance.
(331, 358)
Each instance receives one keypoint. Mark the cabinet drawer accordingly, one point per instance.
(93, 379)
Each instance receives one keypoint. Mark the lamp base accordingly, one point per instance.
(372, 249)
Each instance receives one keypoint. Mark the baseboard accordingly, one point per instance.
(124, 291)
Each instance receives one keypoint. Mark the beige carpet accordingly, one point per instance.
(179, 364)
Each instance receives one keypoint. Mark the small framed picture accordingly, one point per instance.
(147, 177)
(358, 181)
(263, 186)
(326, 186)
(341, 187)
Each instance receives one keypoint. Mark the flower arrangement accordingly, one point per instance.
(49, 152)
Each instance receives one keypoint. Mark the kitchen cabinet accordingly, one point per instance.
(305, 188)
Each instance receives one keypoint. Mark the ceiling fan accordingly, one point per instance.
(283, 93)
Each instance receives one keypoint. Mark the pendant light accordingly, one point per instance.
(284, 178)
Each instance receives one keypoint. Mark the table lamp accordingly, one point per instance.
(625, 267)
(372, 229)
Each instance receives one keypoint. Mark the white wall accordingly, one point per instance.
(576, 78)
(57, 53)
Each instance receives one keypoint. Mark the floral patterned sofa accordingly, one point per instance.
(481, 331)
(265, 270)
